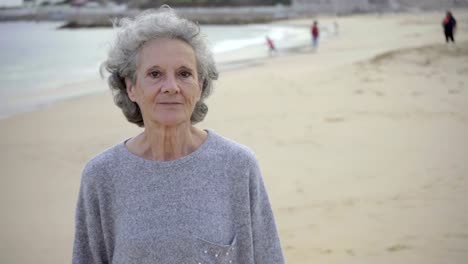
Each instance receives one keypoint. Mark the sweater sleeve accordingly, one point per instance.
(266, 243)
(89, 244)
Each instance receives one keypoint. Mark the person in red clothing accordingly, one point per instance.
(271, 46)
(315, 34)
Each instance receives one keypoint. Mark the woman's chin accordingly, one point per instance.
(171, 120)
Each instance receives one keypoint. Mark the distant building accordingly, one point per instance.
(78, 2)
(432, 4)
(337, 6)
(41, 2)
(11, 3)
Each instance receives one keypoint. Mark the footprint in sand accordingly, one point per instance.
(462, 71)
(349, 202)
(457, 235)
(379, 93)
(350, 252)
(453, 91)
(371, 80)
(411, 237)
(287, 247)
(429, 75)
(367, 80)
(398, 247)
(427, 186)
(334, 119)
(326, 251)
(359, 91)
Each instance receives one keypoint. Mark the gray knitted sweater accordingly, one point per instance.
(207, 207)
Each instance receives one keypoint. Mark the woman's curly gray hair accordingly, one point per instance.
(132, 34)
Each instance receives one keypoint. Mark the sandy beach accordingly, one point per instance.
(363, 146)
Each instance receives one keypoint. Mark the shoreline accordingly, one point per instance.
(224, 66)
(228, 60)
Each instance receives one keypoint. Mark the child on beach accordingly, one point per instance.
(336, 28)
(315, 34)
(271, 46)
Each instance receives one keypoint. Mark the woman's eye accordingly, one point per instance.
(185, 74)
(155, 74)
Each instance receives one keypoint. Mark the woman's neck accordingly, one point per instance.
(167, 143)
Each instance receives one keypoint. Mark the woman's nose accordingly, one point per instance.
(170, 85)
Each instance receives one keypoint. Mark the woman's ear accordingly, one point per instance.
(130, 89)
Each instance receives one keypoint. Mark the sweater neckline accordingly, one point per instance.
(171, 163)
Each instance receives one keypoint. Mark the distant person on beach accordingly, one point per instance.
(315, 32)
(271, 46)
(450, 25)
(174, 193)
(336, 28)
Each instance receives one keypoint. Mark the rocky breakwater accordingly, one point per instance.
(240, 15)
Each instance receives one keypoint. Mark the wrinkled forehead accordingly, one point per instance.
(166, 52)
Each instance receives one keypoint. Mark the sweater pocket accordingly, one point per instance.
(214, 253)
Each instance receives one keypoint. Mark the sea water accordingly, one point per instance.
(38, 62)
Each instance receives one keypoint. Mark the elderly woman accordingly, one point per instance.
(173, 194)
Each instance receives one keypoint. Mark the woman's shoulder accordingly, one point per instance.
(104, 161)
(232, 149)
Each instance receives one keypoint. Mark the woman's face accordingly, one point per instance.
(167, 86)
